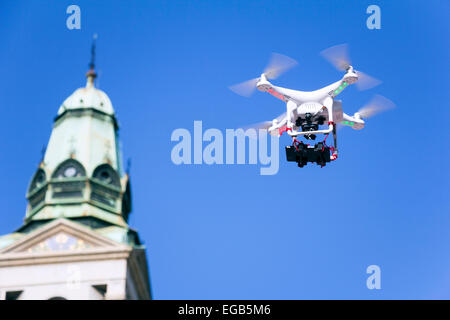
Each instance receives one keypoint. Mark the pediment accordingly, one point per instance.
(61, 236)
(61, 241)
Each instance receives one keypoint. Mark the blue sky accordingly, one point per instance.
(226, 232)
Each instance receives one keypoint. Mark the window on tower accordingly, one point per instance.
(67, 180)
(37, 189)
(69, 169)
(39, 179)
(105, 185)
(107, 175)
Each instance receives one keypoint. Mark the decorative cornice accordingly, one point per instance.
(86, 111)
(22, 259)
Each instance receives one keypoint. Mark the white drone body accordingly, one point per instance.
(317, 103)
(306, 110)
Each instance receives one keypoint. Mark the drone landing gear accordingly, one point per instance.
(304, 153)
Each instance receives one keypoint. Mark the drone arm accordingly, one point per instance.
(281, 93)
(337, 87)
(355, 123)
(286, 95)
(277, 94)
(279, 123)
(264, 85)
(332, 87)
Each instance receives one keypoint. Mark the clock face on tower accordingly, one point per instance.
(69, 169)
(70, 172)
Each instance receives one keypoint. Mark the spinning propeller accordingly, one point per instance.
(266, 124)
(376, 105)
(338, 56)
(278, 64)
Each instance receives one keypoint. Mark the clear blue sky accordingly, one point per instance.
(225, 231)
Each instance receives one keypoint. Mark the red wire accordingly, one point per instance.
(324, 143)
(295, 140)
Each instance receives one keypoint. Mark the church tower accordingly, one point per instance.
(75, 242)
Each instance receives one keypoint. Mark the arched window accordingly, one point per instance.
(69, 169)
(38, 180)
(106, 195)
(64, 187)
(38, 189)
(106, 174)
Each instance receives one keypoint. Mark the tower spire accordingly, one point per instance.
(91, 74)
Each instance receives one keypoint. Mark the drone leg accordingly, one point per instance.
(290, 107)
(328, 103)
(335, 151)
(335, 137)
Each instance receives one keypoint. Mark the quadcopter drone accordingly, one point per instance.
(307, 111)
